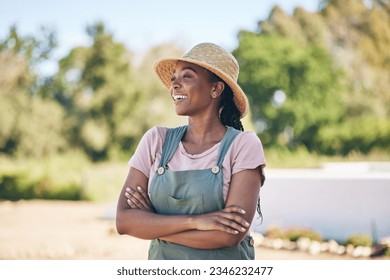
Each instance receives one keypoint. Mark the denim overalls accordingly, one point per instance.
(191, 192)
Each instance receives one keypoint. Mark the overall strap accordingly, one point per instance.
(227, 140)
(171, 142)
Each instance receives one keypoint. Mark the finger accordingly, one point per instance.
(144, 195)
(136, 202)
(234, 209)
(137, 199)
(233, 226)
(132, 196)
(131, 204)
(128, 196)
(130, 199)
(234, 218)
(225, 228)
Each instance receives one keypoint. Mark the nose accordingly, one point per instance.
(175, 83)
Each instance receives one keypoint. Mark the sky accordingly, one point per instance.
(143, 24)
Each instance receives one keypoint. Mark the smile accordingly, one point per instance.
(179, 97)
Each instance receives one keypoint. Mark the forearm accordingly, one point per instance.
(211, 239)
(148, 225)
(218, 239)
(136, 217)
(145, 224)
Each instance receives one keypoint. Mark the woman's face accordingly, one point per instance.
(191, 89)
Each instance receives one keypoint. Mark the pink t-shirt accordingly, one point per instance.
(246, 152)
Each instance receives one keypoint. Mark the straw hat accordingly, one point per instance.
(213, 58)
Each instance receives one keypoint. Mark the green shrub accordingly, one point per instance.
(282, 157)
(275, 232)
(55, 177)
(386, 252)
(16, 186)
(292, 234)
(295, 233)
(359, 240)
(63, 177)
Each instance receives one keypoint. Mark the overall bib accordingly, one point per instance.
(191, 192)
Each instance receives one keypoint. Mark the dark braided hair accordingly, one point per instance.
(230, 116)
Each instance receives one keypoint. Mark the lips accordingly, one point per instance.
(179, 97)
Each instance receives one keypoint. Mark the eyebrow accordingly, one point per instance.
(182, 69)
(187, 68)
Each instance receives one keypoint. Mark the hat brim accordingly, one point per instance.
(165, 68)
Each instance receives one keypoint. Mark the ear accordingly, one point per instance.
(218, 88)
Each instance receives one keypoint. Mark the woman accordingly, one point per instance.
(193, 190)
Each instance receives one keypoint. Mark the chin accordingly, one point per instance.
(180, 113)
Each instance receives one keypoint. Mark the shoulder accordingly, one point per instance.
(247, 152)
(148, 148)
(156, 135)
(247, 138)
(156, 132)
(247, 146)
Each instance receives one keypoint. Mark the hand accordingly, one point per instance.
(227, 220)
(138, 199)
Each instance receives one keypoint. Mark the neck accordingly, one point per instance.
(204, 130)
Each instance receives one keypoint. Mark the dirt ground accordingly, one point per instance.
(59, 230)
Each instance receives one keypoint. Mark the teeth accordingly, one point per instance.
(179, 97)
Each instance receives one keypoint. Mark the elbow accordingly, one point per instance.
(120, 229)
(124, 226)
(127, 226)
(121, 226)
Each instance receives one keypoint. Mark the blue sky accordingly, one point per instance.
(144, 23)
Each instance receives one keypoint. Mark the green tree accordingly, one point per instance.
(293, 88)
(29, 124)
(156, 97)
(356, 34)
(359, 39)
(96, 85)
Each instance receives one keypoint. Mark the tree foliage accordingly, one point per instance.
(96, 86)
(285, 82)
(332, 66)
(29, 125)
(316, 81)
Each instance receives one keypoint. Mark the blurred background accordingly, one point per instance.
(77, 92)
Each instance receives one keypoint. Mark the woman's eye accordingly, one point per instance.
(186, 76)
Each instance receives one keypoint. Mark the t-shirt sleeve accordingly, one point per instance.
(148, 150)
(248, 153)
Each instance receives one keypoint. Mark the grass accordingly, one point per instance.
(70, 176)
(301, 158)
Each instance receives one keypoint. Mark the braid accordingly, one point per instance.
(229, 114)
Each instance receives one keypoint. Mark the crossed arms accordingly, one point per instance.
(227, 227)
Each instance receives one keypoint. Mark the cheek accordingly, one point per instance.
(200, 88)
